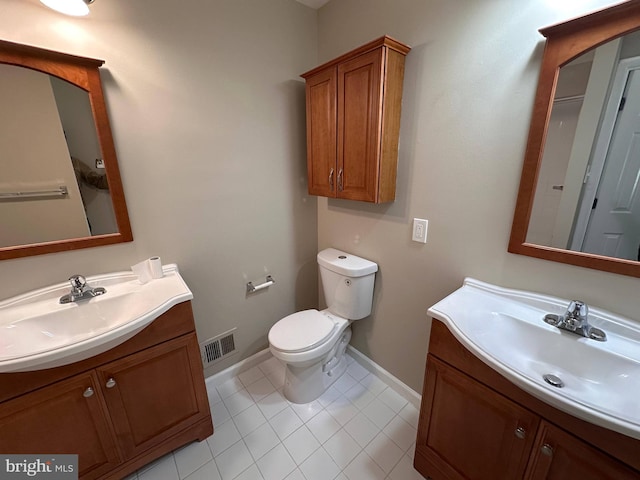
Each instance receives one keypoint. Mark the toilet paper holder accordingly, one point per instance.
(254, 288)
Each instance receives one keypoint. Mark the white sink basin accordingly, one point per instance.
(505, 329)
(37, 332)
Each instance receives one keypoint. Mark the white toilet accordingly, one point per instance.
(312, 343)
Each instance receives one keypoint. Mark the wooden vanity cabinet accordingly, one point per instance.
(476, 425)
(353, 122)
(118, 410)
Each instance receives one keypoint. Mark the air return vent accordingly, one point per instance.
(216, 348)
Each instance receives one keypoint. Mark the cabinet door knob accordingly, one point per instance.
(521, 433)
(111, 383)
(88, 392)
(331, 179)
(340, 180)
(547, 450)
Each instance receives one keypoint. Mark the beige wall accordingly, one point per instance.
(469, 86)
(207, 112)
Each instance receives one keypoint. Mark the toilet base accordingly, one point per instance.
(304, 384)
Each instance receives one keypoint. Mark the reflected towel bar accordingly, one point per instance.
(59, 192)
(254, 288)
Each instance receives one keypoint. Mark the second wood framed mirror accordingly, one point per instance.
(579, 197)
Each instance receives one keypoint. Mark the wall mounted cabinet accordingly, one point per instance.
(476, 425)
(118, 410)
(353, 122)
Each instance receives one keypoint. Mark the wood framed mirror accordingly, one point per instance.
(578, 147)
(60, 187)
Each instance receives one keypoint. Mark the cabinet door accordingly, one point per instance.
(67, 417)
(321, 133)
(359, 126)
(468, 431)
(155, 393)
(559, 455)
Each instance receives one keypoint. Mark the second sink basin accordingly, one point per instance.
(505, 329)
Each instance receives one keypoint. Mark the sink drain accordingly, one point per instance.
(552, 380)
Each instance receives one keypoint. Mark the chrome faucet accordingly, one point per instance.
(575, 320)
(80, 290)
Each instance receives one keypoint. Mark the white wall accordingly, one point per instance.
(207, 112)
(470, 82)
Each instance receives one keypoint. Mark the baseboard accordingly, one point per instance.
(236, 368)
(399, 387)
(402, 389)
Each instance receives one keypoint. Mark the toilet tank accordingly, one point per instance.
(347, 282)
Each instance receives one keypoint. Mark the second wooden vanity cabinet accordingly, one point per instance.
(353, 122)
(118, 410)
(476, 425)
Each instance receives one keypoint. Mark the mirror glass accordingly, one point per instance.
(50, 144)
(578, 201)
(60, 187)
(586, 197)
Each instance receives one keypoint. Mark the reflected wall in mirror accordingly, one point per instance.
(60, 188)
(579, 198)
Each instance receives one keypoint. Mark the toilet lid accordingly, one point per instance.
(300, 331)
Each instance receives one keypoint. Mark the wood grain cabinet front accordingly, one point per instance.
(558, 455)
(476, 425)
(153, 394)
(67, 417)
(118, 410)
(353, 122)
(473, 432)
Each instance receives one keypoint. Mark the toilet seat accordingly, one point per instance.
(301, 331)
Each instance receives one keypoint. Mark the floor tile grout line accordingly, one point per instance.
(394, 405)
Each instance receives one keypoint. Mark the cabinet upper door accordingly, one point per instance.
(468, 431)
(155, 393)
(321, 133)
(67, 417)
(561, 456)
(359, 126)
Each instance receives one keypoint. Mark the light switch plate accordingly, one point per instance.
(419, 230)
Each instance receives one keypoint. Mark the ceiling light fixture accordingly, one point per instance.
(76, 8)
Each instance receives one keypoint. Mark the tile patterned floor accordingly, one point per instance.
(360, 429)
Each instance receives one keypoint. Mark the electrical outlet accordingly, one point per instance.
(419, 230)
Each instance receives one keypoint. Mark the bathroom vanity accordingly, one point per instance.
(475, 424)
(486, 411)
(118, 410)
